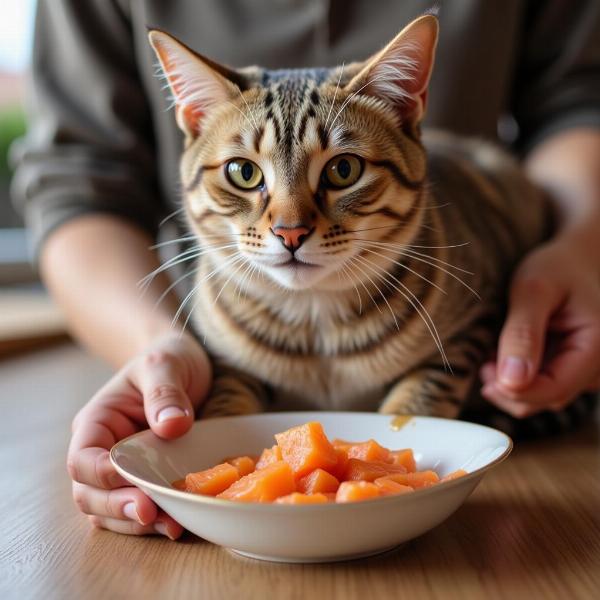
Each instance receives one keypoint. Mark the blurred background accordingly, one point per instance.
(27, 317)
(16, 32)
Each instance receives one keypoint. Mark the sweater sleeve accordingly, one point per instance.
(90, 143)
(557, 83)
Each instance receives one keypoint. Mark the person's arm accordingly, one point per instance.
(549, 346)
(550, 343)
(567, 167)
(92, 266)
(88, 189)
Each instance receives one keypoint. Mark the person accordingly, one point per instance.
(98, 172)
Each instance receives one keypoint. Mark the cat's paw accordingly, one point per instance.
(227, 405)
(422, 392)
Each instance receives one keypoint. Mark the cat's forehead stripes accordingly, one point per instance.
(290, 101)
(258, 135)
(317, 75)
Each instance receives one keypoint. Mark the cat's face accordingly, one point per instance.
(302, 173)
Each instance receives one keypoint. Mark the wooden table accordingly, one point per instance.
(531, 530)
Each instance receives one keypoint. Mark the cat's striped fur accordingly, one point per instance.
(414, 258)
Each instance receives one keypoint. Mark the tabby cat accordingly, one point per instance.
(344, 261)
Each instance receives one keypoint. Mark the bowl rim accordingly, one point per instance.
(224, 503)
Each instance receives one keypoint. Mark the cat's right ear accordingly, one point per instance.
(197, 83)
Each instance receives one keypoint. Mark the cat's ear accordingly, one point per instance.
(197, 83)
(399, 74)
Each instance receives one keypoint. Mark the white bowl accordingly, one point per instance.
(311, 533)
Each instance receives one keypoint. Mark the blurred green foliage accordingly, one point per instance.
(12, 126)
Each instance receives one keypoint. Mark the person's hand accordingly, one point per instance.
(549, 348)
(161, 389)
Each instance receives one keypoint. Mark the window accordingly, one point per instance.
(16, 31)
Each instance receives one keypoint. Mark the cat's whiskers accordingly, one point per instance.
(242, 113)
(396, 226)
(236, 289)
(430, 228)
(182, 257)
(427, 259)
(365, 248)
(415, 303)
(361, 282)
(344, 270)
(392, 246)
(228, 262)
(211, 233)
(174, 284)
(418, 257)
(170, 216)
(189, 254)
(461, 245)
(351, 96)
(256, 268)
(337, 87)
(187, 238)
(357, 260)
(367, 264)
(435, 206)
(247, 282)
(372, 228)
(194, 237)
(237, 292)
(239, 265)
(191, 312)
(256, 128)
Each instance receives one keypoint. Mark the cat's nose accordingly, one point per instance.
(292, 237)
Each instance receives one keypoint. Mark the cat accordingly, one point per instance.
(346, 260)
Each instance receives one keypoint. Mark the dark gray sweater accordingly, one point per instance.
(101, 139)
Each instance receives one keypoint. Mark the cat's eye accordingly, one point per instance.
(342, 171)
(244, 174)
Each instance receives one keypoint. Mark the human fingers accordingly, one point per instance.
(95, 430)
(161, 379)
(521, 344)
(571, 371)
(126, 503)
(574, 370)
(92, 466)
(510, 401)
(163, 525)
(487, 372)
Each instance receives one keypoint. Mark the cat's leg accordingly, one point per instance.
(433, 390)
(234, 393)
(430, 392)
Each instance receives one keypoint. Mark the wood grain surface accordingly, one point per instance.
(531, 530)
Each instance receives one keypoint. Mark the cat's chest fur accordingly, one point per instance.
(297, 354)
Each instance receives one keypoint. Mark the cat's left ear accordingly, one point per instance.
(198, 84)
(399, 74)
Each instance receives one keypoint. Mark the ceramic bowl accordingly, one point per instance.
(321, 532)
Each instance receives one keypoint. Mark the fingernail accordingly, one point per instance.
(130, 512)
(161, 527)
(171, 412)
(513, 370)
